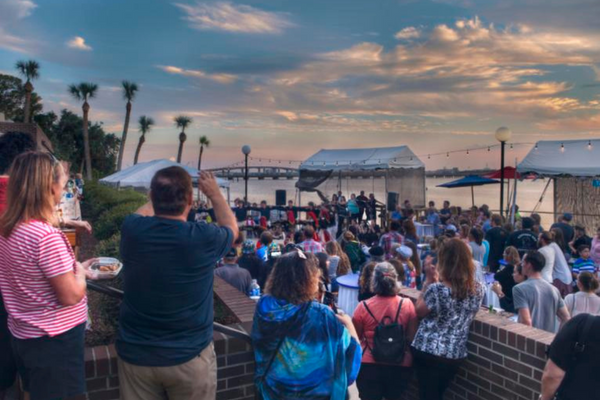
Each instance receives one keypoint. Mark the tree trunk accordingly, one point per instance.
(124, 136)
(27, 111)
(138, 149)
(200, 157)
(86, 142)
(182, 139)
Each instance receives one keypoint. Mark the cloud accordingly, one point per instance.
(195, 73)
(78, 43)
(408, 33)
(16, 9)
(228, 17)
(12, 11)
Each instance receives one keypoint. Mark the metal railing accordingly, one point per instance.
(118, 294)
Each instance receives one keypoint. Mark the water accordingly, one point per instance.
(528, 193)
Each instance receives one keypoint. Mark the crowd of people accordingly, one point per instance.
(304, 346)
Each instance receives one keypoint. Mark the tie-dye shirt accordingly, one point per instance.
(318, 358)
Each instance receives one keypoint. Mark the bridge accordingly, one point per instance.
(256, 172)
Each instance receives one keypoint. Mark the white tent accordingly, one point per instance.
(574, 168)
(402, 170)
(578, 158)
(140, 175)
(363, 159)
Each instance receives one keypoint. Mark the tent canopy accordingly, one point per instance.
(469, 180)
(140, 175)
(578, 159)
(363, 159)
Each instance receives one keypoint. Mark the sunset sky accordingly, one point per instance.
(290, 77)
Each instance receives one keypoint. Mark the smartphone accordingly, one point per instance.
(329, 300)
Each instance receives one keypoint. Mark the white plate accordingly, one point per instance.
(105, 261)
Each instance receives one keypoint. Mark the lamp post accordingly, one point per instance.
(503, 135)
(246, 150)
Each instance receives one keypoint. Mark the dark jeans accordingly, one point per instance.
(8, 365)
(434, 374)
(52, 367)
(379, 381)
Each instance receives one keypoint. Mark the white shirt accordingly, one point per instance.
(583, 303)
(550, 257)
(562, 272)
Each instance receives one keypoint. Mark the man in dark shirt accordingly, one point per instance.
(524, 239)
(580, 239)
(445, 213)
(574, 361)
(231, 273)
(165, 333)
(496, 237)
(362, 201)
(564, 224)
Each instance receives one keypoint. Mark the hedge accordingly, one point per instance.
(99, 199)
(111, 220)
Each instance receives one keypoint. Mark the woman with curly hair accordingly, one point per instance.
(446, 307)
(302, 349)
(339, 264)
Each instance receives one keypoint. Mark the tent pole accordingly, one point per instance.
(472, 196)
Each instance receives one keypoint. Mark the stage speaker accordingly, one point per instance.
(280, 197)
(392, 201)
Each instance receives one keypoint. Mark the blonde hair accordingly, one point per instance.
(456, 267)
(29, 193)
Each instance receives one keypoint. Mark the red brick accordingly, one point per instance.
(111, 394)
(102, 361)
(93, 385)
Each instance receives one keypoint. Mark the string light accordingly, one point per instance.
(488, 148)
(467, 151)
(428, 157)
(589, 145)
(511, 146)
(562, 147)
(536, 147)
(447, 155)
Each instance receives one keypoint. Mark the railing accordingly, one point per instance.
(118, 294)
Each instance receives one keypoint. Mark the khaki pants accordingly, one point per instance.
(193, 380)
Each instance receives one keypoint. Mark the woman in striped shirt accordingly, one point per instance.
(42, 285)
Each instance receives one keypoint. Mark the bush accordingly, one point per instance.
(110, 247)
(109, 223)
(99, 198)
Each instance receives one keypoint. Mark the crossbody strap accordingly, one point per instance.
(580, 344)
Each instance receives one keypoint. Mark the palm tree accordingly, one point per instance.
(129, 90)
(145, 126)
(83, 92)
(182, 122)
(30, 71)
(204, 142)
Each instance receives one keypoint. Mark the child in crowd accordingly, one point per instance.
(584, 263)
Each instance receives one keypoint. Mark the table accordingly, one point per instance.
(348, 293)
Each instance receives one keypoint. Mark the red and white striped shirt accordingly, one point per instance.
(34, 253)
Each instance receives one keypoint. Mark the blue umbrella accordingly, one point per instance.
(469, 180)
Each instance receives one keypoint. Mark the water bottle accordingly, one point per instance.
(254, 290)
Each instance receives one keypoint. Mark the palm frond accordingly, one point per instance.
(29, 69)
(204, 141)
(129, 90)
(74, 90)
(145, 124)
(182, 121)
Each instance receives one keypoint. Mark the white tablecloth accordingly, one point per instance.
(348, 293)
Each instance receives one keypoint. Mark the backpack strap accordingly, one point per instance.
(399, 308)
(580, 344)
(370, 313)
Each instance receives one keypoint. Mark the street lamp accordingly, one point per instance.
(503, 135)
(246, 150)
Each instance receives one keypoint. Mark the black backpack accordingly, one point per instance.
(389, 340)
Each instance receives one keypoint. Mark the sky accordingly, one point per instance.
(290, 77)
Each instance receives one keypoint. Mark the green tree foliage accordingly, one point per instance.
(12, 99)
(66, 135)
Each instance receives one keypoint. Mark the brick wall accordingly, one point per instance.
(235, 359)
(505, 360)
